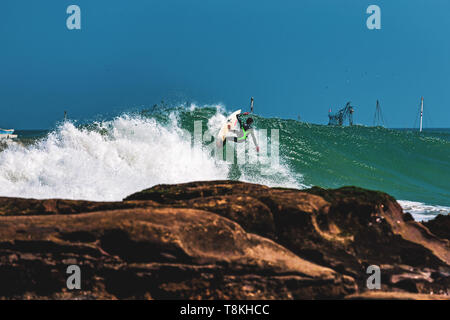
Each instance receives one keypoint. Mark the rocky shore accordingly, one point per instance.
(222, 240)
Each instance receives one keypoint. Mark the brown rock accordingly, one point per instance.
(346, 229)
(440, 226)
(221, 240)
(157, 252)
(380, 295)
(21, 206)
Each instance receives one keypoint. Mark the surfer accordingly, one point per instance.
(245, 129)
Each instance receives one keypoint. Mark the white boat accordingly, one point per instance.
(7, 134)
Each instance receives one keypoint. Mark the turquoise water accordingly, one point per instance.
(402, 162)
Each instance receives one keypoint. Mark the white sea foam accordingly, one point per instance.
(115, 159)
(421, 211)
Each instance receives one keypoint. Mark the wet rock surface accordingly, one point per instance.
(222, 240)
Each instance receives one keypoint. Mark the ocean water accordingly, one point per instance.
(108, 160)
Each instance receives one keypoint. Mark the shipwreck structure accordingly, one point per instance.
(338, 118)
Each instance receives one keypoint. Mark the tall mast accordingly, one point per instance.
(421, 114)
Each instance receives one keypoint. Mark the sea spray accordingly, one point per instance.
(111, 159)
(127, 155)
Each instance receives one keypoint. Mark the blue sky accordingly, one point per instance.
(295, 57)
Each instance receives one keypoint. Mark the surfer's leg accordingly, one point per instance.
(231, 138)
(239, 134)
(235, 139)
